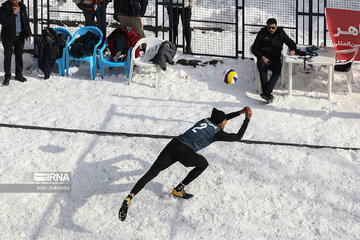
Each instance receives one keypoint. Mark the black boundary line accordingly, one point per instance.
(105, 133)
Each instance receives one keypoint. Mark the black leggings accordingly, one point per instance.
(173, 152)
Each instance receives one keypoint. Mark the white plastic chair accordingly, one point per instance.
(349, 73)
(257, 74)
(152, 47)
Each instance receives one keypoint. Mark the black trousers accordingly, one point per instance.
(275, 66)
(100, 15)
(173, 152)
(177, 12)
(17, 47)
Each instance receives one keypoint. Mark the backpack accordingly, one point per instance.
(121, 39)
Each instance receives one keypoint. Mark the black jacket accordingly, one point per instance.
(166, 53)
(130, 7)
(50, 48)
(270, 45)
(8, 21)
(84, 45)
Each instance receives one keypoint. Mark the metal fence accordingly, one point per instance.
(225, 28)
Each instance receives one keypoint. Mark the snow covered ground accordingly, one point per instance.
(247, 192)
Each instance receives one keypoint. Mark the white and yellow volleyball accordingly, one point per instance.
(230, 76)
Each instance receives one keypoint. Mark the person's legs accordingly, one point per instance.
(175, 12)
(189, 158)
(263, 68)
(101, 19)
(200, 164)
(18, 51)
(173, 152)
(187, 29)
(8, 51)
(89, 17)
(164, 161)
(275, 67)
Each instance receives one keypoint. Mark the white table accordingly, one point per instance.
(326, 57)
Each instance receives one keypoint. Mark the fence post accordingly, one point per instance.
(171, 9)
(156, 18)
(36, 23)
(310, 21)
(237, 29)
(243, 28)
(48, 13)
(297, 22)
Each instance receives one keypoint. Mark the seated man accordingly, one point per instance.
(267, 48)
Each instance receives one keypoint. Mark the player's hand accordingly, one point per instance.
(242, 111)
(248, 113)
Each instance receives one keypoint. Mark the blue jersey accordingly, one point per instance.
(200, 135)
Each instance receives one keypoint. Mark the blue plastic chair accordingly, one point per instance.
(60, 61)
(91, 59)
(107, 61)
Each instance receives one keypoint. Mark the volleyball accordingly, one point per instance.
(230, 76)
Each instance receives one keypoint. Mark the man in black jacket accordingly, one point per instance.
(267, 48)
(15, 29)
(183, 149)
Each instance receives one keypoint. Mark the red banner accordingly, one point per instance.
(344, 29)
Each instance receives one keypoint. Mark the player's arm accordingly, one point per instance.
(255, 48)
(231, 137)
(235, 114)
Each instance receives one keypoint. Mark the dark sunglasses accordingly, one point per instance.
(272, 28)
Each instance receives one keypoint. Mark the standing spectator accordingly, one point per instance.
(130, 13)
(92, 8)
(267, 48)
(177, 11)
(15, 29)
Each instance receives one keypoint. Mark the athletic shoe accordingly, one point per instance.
(181, 194)
(124, 209)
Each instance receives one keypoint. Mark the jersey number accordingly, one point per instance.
(202, 126)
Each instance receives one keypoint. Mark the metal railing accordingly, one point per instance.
(218, 28)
